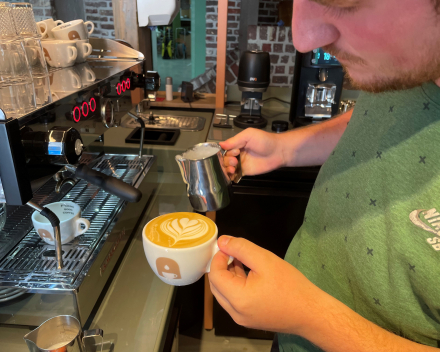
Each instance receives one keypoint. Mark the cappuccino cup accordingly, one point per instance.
(73, 30)
(71, 223)
(59, 53)
(180, 246)
(46, 27)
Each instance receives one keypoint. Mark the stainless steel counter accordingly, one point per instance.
(221, 134)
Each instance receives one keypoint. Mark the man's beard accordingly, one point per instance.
(427, 69)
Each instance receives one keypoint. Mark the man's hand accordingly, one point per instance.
(274, 296)
(261, 152)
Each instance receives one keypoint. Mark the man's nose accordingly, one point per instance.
(310, 28)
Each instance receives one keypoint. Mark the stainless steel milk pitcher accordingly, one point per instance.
(204, 172)
(60, 334)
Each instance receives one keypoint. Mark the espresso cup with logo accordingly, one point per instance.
(180, 246)
(46, 27)
(84, 50)
(59, 53)
(71, 223)
(73, 30)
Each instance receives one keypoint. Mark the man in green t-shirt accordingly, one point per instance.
(362, 272)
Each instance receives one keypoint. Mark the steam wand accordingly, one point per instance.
(55, 222)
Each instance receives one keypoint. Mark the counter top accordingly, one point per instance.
(221, 134)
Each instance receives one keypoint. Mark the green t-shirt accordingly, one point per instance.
(370, 236)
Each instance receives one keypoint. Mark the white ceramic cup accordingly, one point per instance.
(180, 266)
(63, 82)
(46, 27)
(84, 50)
(71, 223)
(59, 53)
(73, 30)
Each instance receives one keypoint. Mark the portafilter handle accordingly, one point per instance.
(109, 184)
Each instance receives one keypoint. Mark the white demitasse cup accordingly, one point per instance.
(60, 53)
(84, 50)
(180, 266)
(73, 30)
(71, 223)
(46, 27)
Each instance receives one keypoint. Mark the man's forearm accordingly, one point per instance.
(336, 328)
(313, 145)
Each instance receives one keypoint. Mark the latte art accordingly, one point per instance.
(184, 229)
(180, 230)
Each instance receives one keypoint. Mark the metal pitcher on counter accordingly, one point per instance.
(204, 172)
(60, 334)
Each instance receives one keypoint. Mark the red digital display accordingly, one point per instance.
(76, 114)
(92, 104)
(84, 110)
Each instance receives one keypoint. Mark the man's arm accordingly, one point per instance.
(275, 296)
(336, 328)
(312, 145)
(263, 152)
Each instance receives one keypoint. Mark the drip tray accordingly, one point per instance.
(154, 136)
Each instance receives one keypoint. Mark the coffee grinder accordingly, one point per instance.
(317, 87)
(253, 81)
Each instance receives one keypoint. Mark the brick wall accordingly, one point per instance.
(268, 12)
(211, 29)
(43, 9)
(100, 12)
(278, 42)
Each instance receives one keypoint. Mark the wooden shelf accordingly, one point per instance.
(206, 103)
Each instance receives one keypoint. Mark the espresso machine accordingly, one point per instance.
(45, 158)
(317, 87)
(253, 81)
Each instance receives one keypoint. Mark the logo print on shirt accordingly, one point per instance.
(428, 220)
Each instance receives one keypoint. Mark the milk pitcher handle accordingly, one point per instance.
(93, 333)
(237, 176)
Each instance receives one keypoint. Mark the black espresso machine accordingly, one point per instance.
(317, 86)
(44, 159)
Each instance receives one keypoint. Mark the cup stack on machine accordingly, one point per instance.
(66, 44)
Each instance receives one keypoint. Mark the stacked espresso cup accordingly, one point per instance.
(67, 43)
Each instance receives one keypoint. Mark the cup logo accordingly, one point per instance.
(73, 35)
(46, 54)
(184, 229)
(45, 234)
(168, 268)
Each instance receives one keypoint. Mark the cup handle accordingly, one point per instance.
(93, 333)
(79, 222)
(42, 24)
(93, 26)
(87, 49)
(216, 250)
(58, 22)
(238, 175)
(73, 53)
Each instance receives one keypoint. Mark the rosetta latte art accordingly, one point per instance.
(184, 229)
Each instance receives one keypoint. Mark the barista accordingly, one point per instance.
(362, 272)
